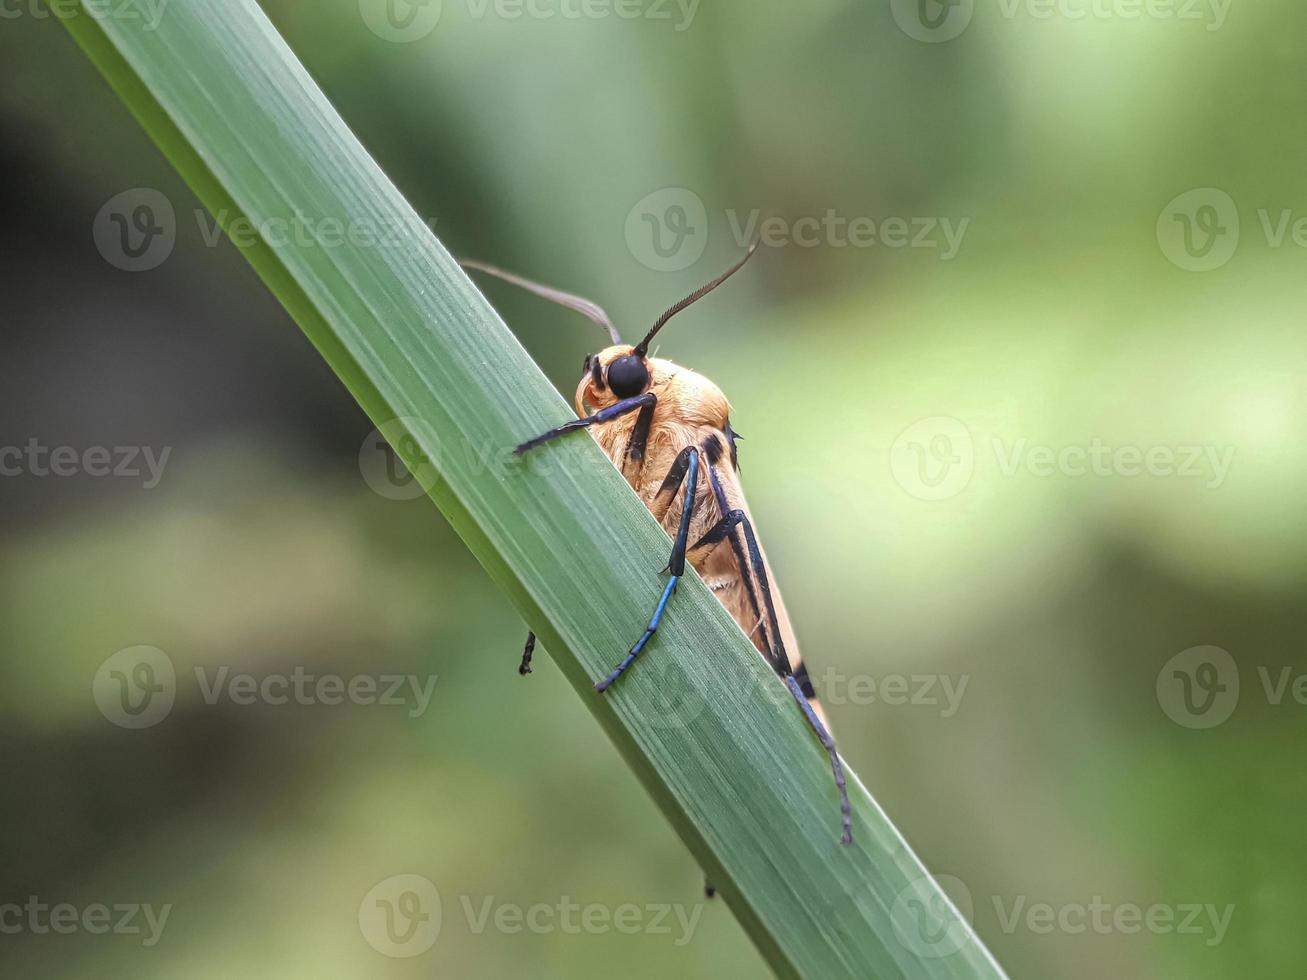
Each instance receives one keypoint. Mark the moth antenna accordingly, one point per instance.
(578, 304)
(643, 347)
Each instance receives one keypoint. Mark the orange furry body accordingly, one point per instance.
(691, 411)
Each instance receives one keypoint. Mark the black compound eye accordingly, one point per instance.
(628, 376)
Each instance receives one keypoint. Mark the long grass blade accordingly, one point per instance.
(703, 723)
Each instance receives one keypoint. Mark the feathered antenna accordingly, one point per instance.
(643, 347)
(579, 304)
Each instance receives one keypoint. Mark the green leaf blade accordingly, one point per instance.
(701, 720)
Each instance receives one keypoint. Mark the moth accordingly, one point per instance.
(668, 430)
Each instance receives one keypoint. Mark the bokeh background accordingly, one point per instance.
(1123, 183)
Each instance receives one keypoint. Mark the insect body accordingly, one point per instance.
(668, 430)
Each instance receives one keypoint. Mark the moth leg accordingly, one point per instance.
(781, 664)
(633, 461)
(524, 667)
(716, 534)
(662, 500)
(603, 415)
(837, 767)
(676, 565)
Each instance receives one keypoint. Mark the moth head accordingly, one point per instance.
(620, 371)
(613, 374)
(627, 374)
(624, 371)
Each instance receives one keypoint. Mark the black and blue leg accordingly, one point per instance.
(616, 410)
(675, 564)
(756, 573)
(782, 666)
(639, 441)
(715, 535)
(644, 404)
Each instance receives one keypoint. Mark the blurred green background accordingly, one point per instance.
(918, 419)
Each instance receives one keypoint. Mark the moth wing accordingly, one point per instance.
(728, 572)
